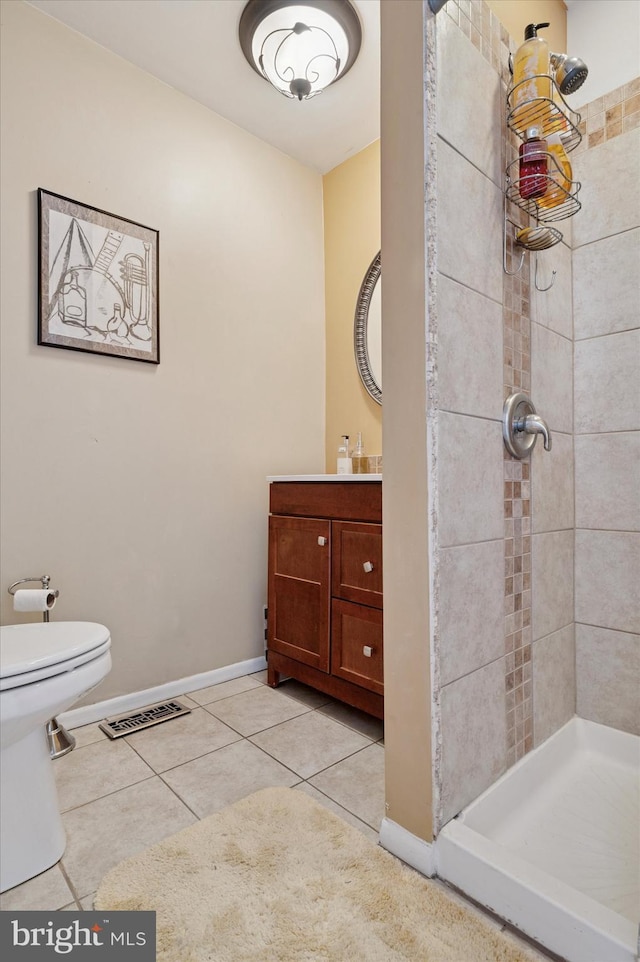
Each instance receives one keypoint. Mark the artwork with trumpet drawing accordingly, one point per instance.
(98, 281)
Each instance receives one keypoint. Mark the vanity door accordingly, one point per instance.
(300, 589)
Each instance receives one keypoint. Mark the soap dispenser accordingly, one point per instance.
(359, 461)
(344, 465)
(531, 80)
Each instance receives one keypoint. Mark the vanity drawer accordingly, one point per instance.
(351, 500)
(356, 644)
(357, 562)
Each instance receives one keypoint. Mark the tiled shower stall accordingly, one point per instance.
(606, 311)
(534, 563)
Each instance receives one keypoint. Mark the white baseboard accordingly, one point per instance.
(408, 847)
(88, 714)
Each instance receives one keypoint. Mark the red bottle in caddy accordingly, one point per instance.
(533, 180)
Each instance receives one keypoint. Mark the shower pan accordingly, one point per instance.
(553, 847)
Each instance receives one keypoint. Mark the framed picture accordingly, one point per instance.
(97, 281)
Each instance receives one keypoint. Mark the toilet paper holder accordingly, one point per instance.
(44, 580)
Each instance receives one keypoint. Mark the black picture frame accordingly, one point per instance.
(98, 284)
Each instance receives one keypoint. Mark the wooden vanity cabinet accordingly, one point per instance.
(324, 624)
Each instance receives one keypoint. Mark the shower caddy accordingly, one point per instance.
(553, 116)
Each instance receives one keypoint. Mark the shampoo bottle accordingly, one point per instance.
(344, 458)
(531, 80)
(560, 173)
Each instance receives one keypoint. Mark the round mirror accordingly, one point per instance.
(367, 333)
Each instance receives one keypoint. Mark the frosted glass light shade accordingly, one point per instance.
(300, 48)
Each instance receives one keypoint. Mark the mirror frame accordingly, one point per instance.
(360, 326)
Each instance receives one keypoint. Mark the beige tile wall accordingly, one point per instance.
(610, 191)
(552, 377)
(552, 495)
(480, 311)
(553, 648)
(466, 391)
(553, 309)
(607, 579)
(471, 484)
(482, 561)
(607, 386)
(554, 682)
(471, 608)
(608, 481)
(469, 239)
(552, 581)
(606, 292)
(470, 350)
(473, 740)
(596, 311)
(483, 348)
(608, 672)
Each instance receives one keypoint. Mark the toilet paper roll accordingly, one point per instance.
(34, 599)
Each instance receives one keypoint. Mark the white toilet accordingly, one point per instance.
(44, 670)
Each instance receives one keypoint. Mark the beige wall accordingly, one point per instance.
(351, 241)
(516, 14)
(141, 489)
(405, 497)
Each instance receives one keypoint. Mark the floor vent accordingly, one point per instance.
(144, 718)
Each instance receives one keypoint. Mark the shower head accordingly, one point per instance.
(570, 72)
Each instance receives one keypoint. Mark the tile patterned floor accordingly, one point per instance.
(118, 797)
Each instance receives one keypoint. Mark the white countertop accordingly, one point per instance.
(325, 477)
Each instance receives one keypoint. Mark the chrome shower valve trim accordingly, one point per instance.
(521, 426)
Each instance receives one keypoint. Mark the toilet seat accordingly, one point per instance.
(31, 653)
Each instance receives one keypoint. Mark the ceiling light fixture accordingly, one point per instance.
(300, 46)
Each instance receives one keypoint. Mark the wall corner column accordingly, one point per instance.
(404, 165)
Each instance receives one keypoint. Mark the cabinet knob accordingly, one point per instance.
(367, 651)
(322, 541)
(368, 566)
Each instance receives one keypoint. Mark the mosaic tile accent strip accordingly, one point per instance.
(516, 327)
(517, 644)
(611, 115)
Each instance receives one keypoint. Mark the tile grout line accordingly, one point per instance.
(339, 804)
(72, 888)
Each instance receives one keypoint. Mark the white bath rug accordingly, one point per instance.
(278, 878)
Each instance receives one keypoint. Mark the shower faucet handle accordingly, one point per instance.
(521, 426)
(533, 424)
